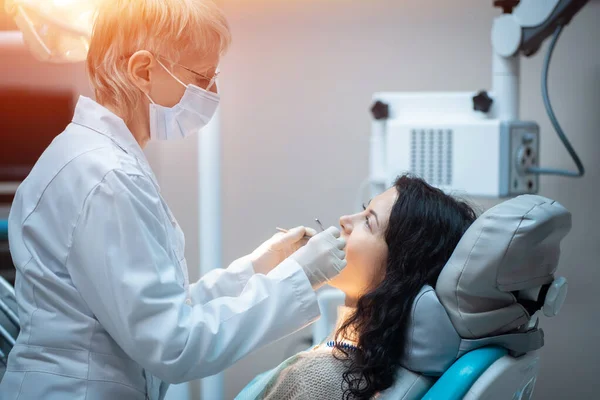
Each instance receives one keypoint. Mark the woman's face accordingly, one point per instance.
(366, 249)
(167, 91)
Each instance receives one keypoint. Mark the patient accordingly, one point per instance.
(398, 244)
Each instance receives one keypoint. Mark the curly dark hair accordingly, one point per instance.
(424, 228)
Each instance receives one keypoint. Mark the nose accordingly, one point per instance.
(346, 224)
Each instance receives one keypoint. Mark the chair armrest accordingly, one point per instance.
(458, 379)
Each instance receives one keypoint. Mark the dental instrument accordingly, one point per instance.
(305, 236)
(320, 224)
(286, 231)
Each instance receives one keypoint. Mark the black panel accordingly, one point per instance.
(7, 269)
(29, 120)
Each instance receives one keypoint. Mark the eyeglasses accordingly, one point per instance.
(211, 81)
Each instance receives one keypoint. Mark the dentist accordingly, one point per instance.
(105, 306)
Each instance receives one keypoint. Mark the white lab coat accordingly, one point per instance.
(105, 307)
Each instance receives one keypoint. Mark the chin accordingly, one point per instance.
(335, 283)
(344, 281)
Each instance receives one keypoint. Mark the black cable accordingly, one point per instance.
(559, 131)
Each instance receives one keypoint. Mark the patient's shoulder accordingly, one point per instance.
(314, 375)
(322, 367)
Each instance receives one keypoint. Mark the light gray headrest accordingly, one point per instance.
(432, 343)
(512, 246)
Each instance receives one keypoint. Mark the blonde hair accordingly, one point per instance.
(165, 27)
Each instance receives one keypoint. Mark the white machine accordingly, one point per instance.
(475, 142)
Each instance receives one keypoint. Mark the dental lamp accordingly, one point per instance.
(474, 142)
(54, 31)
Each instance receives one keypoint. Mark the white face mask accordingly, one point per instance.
(193, 112)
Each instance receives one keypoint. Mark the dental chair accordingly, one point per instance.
(476, 335)
(9, 322)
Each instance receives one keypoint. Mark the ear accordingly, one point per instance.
(140, 68)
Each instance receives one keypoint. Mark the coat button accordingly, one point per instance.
(188, 302)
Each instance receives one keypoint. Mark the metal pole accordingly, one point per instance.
(505, 87)
(212, 388)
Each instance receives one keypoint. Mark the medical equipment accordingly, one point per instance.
(193, 112)
(475, 142)
(477, 329)
(320, 224)
(286, 231)
(55, 30)
(305, 236)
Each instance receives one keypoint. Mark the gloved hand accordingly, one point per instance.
(282, 245)
(323, 257)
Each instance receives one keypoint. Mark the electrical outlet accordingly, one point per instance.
(524, 154)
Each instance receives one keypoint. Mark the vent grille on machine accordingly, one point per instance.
(431, 155)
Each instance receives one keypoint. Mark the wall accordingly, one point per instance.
(296, 88)
(19, 68)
